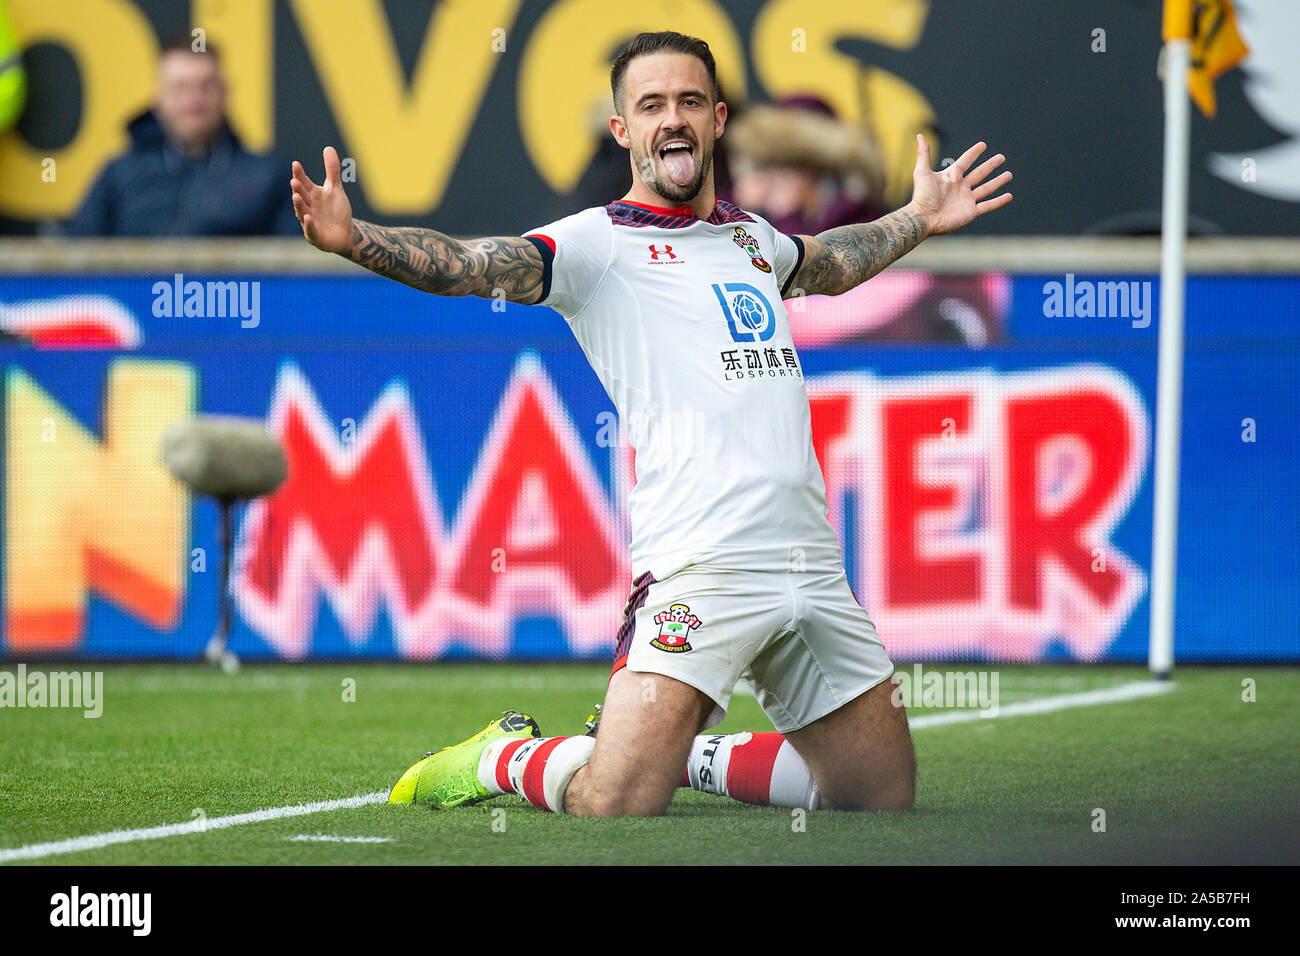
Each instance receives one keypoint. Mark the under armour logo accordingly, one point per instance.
(668, 251)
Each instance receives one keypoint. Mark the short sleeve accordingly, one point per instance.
(787, 256)
(788, 259)
(576, 253)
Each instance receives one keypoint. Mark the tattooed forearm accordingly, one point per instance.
(433, 262)
(837, 260)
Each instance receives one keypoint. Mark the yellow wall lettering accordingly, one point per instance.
(894, 109)
(82, 515)
(116, 52)
(406, 141)
(243, 31)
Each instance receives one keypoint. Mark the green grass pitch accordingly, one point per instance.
(1195, 775)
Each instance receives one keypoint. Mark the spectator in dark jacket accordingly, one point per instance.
(186, 173)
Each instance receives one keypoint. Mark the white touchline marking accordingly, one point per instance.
(1044, 705)
(327, 838)
(98, 840)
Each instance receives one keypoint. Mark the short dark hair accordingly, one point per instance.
(665, 41)
(184, 43)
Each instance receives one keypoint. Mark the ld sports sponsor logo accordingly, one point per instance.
(675, 626)
(750, 317)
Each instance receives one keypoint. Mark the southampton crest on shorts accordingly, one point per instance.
(675, 626)
(750, 245)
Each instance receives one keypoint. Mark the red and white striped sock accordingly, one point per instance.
(538, 769)
(762, 769)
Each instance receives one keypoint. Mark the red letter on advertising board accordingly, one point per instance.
(831, 413)
(911, 578)
(341, 508)
(532, 512)
(1091, 432)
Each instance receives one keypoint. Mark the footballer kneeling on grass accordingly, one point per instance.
(738, 571)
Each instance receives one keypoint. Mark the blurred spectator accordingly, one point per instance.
(186, 172)
(13, 78)
(802, 169)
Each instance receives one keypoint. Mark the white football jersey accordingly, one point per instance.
(683, 321)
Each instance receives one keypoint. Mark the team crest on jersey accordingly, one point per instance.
(675, 626)
(750, 245)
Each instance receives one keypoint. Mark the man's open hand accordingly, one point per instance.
(953, 197)
(323, 211)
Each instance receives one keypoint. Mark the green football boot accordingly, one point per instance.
(449, 777)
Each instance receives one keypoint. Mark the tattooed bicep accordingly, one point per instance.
(838, 259)
(512, 268)
(817, 269)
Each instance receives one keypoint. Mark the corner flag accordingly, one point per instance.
(1201, 41)
(1216, 43)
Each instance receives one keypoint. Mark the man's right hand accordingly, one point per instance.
(323, 211)
(496, 267)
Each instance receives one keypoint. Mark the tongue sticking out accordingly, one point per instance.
(680, 166)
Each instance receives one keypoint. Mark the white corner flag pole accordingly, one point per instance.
(1169, 389)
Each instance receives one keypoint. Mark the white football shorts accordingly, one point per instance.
(799, 637)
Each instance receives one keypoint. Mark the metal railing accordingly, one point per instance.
(949, 254)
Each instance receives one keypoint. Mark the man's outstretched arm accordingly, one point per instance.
(421, 258)
(839, 259)
(432, 262)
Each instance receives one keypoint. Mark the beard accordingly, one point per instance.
(664, 186)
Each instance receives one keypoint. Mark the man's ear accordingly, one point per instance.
(719, 119)
(619, 129)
